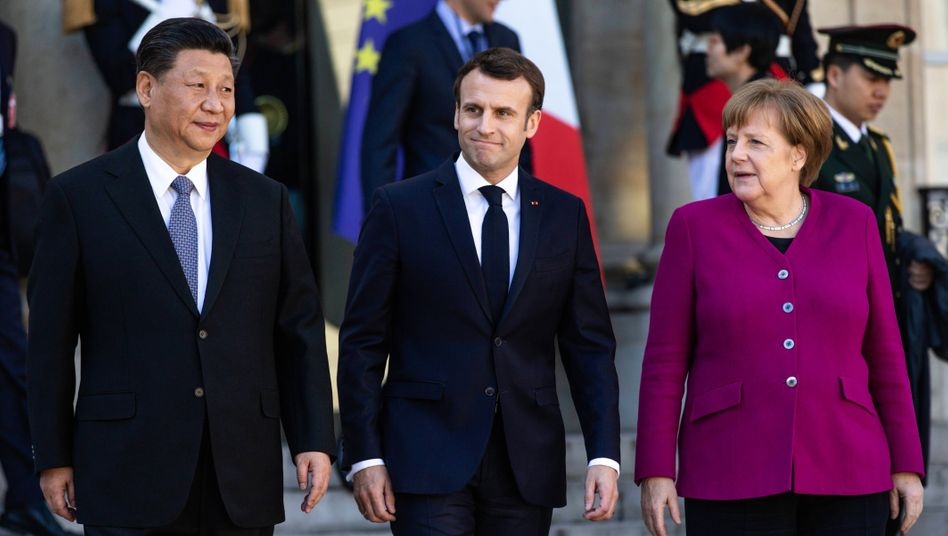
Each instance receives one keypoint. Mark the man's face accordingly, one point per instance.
(720, 63)
(476, 11)
(855, 92)
(493, 123)
(187, 110)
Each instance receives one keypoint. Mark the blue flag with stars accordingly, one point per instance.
(379, 19)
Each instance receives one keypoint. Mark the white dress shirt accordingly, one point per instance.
(458, 29)
(854, 132)
(477, 205)
(161, 175)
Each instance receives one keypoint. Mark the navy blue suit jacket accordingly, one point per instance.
(418, 301)
(412, 103)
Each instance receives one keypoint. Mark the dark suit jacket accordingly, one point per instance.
(417, 295)
(412, 103)
(105, 271)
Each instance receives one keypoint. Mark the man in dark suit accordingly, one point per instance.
(463, 279)
(411, 108)
(24, 510)
(185, 278)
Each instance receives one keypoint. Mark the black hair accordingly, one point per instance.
(160, 47)
(749, 24)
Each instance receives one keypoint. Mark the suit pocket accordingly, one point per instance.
(857, 392)
(416, 390)
(552, 264)
(716, 401)
(105, 407)
(270, 403)
(546, 396)
(256, 248)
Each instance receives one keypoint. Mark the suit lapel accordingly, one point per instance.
(445, 43)
(226, 217)
(450, 203)
(132, 194)
(852, 156)
(531, 207)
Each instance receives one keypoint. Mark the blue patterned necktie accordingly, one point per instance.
(183, 230)
(495, 250)
(476, 40)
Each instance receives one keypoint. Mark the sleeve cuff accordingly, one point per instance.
(595, 461)
(365, 464)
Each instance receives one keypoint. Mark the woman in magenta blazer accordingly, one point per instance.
(773, 304)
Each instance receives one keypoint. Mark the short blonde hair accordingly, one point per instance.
(802, 118)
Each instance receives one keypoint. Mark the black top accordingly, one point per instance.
(780, 243)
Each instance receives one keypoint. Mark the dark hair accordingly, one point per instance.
(749, 24)
(843, 61)
(504, 64)
(160, 47)
(801, 117)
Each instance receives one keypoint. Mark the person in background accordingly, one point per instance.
(24, 510)
(741, 48)
(464, 280)
(184, 276)
(772, 309)
(411, 108)
(697, 132)
(113, 39)
(860, 64)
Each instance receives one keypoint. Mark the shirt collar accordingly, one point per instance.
(161, 175)
(854, 132)
(471, 180)
(454, 23)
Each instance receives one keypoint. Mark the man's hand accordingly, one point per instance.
(601, 480)
(658, 492)
(312, 468)
(908, 487)
(372, 489)
(920, 275)
(58, 489)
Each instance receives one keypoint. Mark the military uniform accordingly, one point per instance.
(866, 171)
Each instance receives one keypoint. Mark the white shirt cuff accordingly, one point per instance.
(595, 461)
(356, 467)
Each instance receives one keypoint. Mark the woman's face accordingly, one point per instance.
(759, 161)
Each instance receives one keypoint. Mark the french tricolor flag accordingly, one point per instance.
(558, 156)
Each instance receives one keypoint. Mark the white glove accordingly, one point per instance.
(249, 141)
(167, 9)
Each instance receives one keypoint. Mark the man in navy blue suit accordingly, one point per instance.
(411, 107)
(463, 279)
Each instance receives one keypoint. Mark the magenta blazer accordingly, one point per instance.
(795, 372)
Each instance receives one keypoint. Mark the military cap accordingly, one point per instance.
(875, 46)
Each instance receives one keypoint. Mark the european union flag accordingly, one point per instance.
(379, 19)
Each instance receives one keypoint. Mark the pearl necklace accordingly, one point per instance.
(786, 226)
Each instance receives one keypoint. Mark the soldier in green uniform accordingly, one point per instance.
(859, 65)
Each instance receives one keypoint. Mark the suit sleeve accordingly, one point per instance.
(668, 352)
(588, 347)
(300, 345)
(365, 335)
(56, 304)
(108, 42)
(389, 104)
(882, 348)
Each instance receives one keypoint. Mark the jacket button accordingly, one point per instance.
(202, 334)
(792, 381)
(498, 342)
(788, 307)
(788, 344)
(490, 391)
(783, 274)
(199, 392)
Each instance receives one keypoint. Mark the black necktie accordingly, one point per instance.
(495, 250)
(866, 147)
(476, 40)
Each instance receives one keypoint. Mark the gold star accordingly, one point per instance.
(376, 9)
(367, 58)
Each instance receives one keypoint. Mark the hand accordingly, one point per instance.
(657, 492)
(59, 491)
(372, 489)
(312, 468)
(908, 487)
(920, 275)
(601, 480)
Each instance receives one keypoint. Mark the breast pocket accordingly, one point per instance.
(552, 264)
(252, 249)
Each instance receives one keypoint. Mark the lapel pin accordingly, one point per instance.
(534, 203)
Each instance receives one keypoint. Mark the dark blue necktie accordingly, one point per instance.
(183, 230)
(476, 40)
(495, 250)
